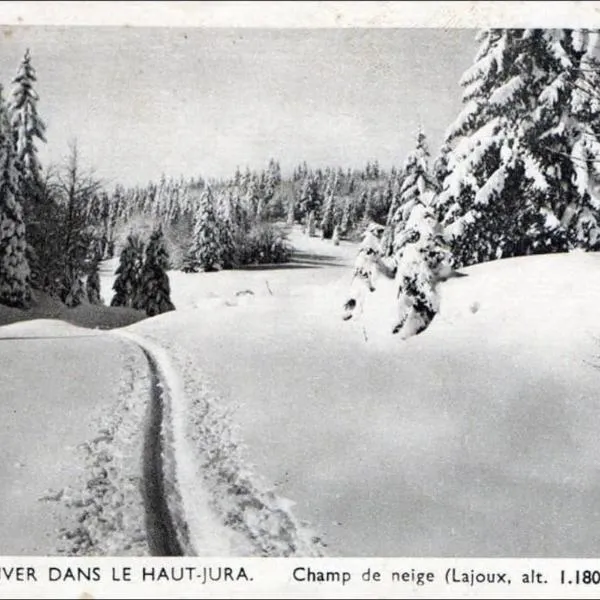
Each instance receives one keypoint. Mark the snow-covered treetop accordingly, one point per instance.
(25, 119)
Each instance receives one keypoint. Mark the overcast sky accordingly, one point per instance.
(142, 102)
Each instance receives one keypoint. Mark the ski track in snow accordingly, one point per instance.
(195, 509)
(162, 533)
(219, 506)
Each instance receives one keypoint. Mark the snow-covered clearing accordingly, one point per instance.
(476, 438)
(287, 428)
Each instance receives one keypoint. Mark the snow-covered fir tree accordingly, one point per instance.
(155, 292)
(205, 250)
(521, 174)
(420, 256)
(127, 284)
(416, 184)
(15, 287)
(310, 197)
(327, 222)
(225, 224)
(346, 220)
(27, 124)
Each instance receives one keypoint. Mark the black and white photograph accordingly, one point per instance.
(299, 291)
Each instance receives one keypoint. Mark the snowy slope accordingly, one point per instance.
(477, 437)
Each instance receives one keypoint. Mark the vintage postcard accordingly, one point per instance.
(308, 281)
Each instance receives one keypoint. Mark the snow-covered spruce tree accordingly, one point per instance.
(155, 291)
(346, 220)
(310, 197)
(15, 287)
(226, 232)
(416, 184)
(566, 135)
(127, 285)
(420, 254)
(327, 222)
(28, 126)
(521, 178)
(205, 249)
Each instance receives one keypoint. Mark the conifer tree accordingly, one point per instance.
(310, 197)
(417, 183)
(127, 285)
(155, 292)
(327, 223)
(27, 124)
(226, 233)
(206, 250)
(346, 222)
(15, 287)
(519, 175)
(420, 255)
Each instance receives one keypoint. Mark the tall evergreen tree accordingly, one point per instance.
(346, 220)
(205, 250)
(310, 197)
(128, 282)
(15, 287)
(327, 223)
(27, 124)
(416, 184)
(155, 294)
(226, 232)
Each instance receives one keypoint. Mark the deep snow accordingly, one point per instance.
(475, 438)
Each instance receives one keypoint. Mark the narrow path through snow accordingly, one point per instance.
(162, 534)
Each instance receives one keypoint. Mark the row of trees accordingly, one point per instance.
(46, 240)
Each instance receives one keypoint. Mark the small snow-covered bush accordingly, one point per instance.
(263, 244)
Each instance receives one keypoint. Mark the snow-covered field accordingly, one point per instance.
(291, 431)
(477, 437)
